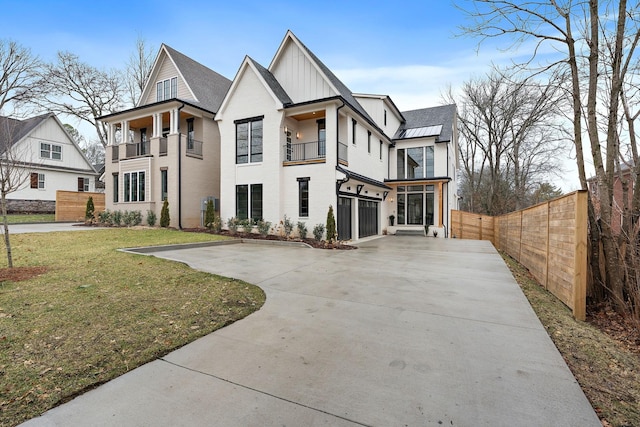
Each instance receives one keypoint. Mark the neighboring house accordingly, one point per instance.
(49, 160)
(295, 139)
(168, 146)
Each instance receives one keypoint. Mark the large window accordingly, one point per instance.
(322, 138)
(249, 200)
(415, 163)
(249, 140)
(167, 89)
(190, 134)
(415, 205)
(50, 151)
(303, 197)
(134, 187)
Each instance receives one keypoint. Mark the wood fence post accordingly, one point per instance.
(580, 261)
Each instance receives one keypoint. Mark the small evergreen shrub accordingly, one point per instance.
(209, 215)
(287, 225)
(233, 223)
(90, 210)
(136, 218)
(105, 218)
(318, 232)
(117, 218)
(264, 227)
(302, 229)
(165, 218)
(247, 225)
(331, 225)
(151, 218)
(216, 225)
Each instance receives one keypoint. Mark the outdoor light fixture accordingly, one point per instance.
(286, 129)
(298, 136)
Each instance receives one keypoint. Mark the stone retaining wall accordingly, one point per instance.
(31, 206)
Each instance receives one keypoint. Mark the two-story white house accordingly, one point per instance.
(168, 146)
(295, 140)
(43, 158)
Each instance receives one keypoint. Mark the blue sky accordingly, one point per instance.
(405, 49)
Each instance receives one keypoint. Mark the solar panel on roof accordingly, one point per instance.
(421, 132)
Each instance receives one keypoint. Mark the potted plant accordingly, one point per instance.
(392, 218)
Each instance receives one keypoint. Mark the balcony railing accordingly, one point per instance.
(138, 149)
(115, 153)
(343, 151)
(305, 151)
(194, 148)
(163, 147)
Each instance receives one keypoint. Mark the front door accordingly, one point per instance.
(344, 218)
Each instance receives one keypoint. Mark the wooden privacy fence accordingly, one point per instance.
(72, 205)
(550, 239)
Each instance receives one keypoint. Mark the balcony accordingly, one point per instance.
(312, 152)
(137, 149)
(194, 148)
(343, 153)
(115, 153)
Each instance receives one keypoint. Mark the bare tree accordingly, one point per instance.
(594, 44)
(508, 139)
(72, 87)
(137, 70)
(19, 69)
(14, 172)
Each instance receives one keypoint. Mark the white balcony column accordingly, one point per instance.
(125, 132)
(111, 134)
(173, 120)
(156, 125)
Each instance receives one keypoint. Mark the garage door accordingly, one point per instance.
(344, 218)
(367, 218)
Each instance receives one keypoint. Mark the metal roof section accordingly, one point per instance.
(420, 132)
(420, 123)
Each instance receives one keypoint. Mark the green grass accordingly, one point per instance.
(608, 373)
(30, 218)
(98, 313)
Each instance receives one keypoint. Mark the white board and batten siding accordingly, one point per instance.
(299, 77)
(167, 71)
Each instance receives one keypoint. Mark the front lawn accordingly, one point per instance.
(92, 313)
(30, 218)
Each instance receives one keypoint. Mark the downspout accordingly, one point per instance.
(340, 182)
(179, 170)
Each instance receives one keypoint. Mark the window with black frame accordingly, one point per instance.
(415, 204)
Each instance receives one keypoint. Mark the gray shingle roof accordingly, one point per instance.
(444, 115)
(207, 85)
(13, 130)
(272, 82)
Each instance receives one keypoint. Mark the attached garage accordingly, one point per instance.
(367, 218)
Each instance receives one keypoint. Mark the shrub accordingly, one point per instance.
(151, 218)
(287, 226)
(131, 219)
(105, 218)
(165, 218)
(318, 231)
(331, 225)
(117, 218)
(209, 215)
(90, 210)
(264, 227)
(216, 225)
(302, 229)
(246, 224)
(233, 223)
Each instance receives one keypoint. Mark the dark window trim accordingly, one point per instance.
(250, 119)
(303, 204)
(354, 123)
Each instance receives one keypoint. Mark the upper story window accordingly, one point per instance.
(415, 163)
(354, 124)
(167, 89)
(385, 117)
(369, 142)
(50, 151)
(249, 140)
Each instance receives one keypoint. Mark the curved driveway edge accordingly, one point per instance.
(404, 331)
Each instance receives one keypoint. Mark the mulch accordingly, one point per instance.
(17, 274)
(311, 242)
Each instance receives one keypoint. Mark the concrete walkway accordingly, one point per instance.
(405, 331)
(45, 227)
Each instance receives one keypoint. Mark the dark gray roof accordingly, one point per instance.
(272, 82)
(13, 130)
(343, 90)
(444, 115)
(207, 85)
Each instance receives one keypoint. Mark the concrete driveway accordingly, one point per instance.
(405, 331)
